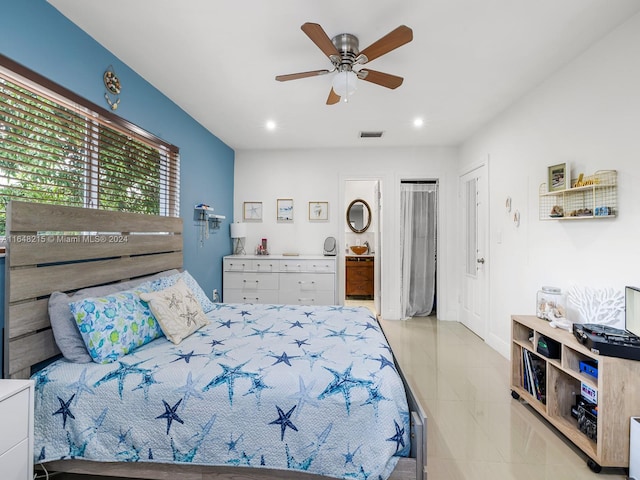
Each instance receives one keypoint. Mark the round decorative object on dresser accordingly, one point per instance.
(330, 248)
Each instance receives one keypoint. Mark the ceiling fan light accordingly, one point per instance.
(345, 84)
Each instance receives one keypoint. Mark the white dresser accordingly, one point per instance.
(291, 280)
(16, 439)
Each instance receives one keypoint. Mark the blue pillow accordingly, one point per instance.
(114, 325)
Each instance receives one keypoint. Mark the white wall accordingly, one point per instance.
(587, 114)
(321, 175)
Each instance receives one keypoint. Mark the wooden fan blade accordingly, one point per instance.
(321, 39)
(390, 41)
(380, 78)
(333, 97)
(295, 76)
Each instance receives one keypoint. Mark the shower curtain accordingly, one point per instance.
(418, 243)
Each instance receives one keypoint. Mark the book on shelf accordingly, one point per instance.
(525, 371)
(533, 375)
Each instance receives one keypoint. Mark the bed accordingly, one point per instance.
(259, 391)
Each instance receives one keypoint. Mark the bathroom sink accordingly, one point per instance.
(359, 249)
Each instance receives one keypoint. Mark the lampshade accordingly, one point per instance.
(238, 230)
(345, 83)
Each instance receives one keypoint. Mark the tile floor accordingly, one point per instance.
(475, 429)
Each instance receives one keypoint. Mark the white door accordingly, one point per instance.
(475, 272)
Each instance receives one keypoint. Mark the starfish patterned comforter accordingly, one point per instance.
(306, 388)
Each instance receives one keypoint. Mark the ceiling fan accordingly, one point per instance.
(348, 61)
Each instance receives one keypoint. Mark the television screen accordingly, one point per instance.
(632, 310)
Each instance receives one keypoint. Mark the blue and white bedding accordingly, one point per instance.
(282, 387)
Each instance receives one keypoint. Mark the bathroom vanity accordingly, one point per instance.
(359, 276)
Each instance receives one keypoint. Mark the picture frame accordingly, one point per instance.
(318, 211)
(285, 210)
(252, 211)
(558, 177)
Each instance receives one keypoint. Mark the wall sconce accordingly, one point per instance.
(215, 220)
(206, 220)
(238, 234)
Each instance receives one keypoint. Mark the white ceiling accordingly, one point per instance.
(468, 60)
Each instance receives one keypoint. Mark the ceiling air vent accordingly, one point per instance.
(370, 134)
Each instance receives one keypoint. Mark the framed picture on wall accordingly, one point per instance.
(318, 211)
(558, 177)
(285, 209)
(252, 211)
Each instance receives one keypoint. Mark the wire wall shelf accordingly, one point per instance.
(594, 196)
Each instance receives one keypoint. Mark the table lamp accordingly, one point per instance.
(238, 234)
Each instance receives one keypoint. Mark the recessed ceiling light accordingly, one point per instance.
(418, 122)
(271, 125)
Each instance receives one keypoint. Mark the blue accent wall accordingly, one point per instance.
(36, 35)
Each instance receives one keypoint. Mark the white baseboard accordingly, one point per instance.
(499, 345)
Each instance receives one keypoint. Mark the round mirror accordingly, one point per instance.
(358, 216)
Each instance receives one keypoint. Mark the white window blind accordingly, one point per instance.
(58, 148)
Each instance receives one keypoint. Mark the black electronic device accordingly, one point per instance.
(586, 413)
(609, 341)
(615, 342)
(547, 347)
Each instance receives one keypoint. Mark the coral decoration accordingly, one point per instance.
(601, 306)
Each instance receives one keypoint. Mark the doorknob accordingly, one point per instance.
(480, 260)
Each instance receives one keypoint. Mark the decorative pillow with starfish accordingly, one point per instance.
(177, 310)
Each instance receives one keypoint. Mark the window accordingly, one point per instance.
(471, 230)
(58, 148)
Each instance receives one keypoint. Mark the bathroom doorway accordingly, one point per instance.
(362, 231)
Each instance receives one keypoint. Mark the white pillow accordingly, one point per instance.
(192, 284)
(177, 311)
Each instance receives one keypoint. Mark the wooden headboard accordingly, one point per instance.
(55, 248)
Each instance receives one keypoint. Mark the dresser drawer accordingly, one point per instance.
(239, 296)
(321, 266)
(246, 265)
(307, 298)
(14, 464)
(314, 266)
(251, 281)
(14, 418)
(237, 265)
(266, 266)
(293, 265)
(306, 282)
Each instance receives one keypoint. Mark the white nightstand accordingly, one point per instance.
(16, 418)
